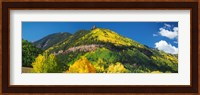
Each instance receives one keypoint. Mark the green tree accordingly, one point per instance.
(29, 53)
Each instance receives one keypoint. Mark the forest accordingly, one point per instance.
(97, 50)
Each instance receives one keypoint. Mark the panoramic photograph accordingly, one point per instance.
(99, 47)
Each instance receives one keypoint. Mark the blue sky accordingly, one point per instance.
(161, 35)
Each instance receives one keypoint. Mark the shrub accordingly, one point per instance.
(82, 66)
(116, 68)
(45, 64)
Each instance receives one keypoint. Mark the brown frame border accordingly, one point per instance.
(193, 6)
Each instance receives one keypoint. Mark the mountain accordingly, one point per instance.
(68, 42)
(51, 40)
(105, 51)
(108, 51)
(95, 36)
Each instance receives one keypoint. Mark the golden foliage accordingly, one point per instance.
(116, 68)
(99, 66)
(45, 64)
(82, 66)
(171, 58)
(38, 65)
(106, 35)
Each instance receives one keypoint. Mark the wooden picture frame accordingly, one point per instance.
(7, 88)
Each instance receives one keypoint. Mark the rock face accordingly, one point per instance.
(82, 48)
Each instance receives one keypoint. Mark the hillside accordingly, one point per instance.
(102, 50)
(95, 36)
(68, 42)
(51, 40)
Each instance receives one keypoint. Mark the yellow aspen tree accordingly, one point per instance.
(45, 64)
(116, 68)
(38, 65)
(82, 66)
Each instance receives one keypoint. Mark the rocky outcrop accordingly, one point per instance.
(82, 48)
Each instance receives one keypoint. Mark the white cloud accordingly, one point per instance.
(166, 47)
(154, 35)
(169, 34)
(175, 29)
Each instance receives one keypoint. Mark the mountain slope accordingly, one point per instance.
(68, 42)
(107, 36)
(111, 51)
(51, 40)
(96, 36)
(105, 51)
